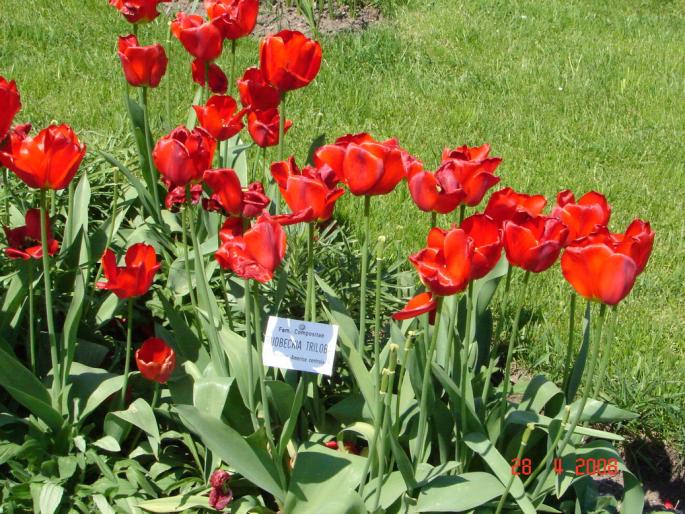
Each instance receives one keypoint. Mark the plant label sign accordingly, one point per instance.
(300, 345)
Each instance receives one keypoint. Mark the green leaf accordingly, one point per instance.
(236, 350)
(539, 393)
(175, 503)
(459, 493)
(102, 505)
(597, 411)
(291, 423)
(525, 417)
(143, 194)
(108, 443)
(186, 343)
(78, 217)
(251, 462)
(50, 498)
(192, 115)
(141, 415)
(210, 394)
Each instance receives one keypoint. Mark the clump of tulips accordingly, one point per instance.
(419, 421)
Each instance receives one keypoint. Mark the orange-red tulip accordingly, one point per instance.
(229, 197)
(10, 104)
(416, 306)
(209, 73)
(201, 38)
(183, 156)
(144, 66)
(156, 360)
(138, 11)
(255, 92)
(535, 242)
(25, 243)
(471, 169)
(487, 243)
(506, 204)
(263, 127)
(135, 277)
(220, 117)
(432, 193)
(289, 60)
(235, 18)
(590, 213)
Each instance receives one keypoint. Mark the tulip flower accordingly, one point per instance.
(506, 204)
(183, 155)
(256, 93)
(156, 360)
(47, 161)
(178, 196)
(534, 244)
(263, 127)
(202, 39)
(289, 60)
(144, 66)
(210, 73)
(220, 494)
(583, 217)
(138, 11)
(12, 142)
(135, 277)
(434, 192)
(471, 169)
(256, 253)
(24, 242)
(10, 103)
(229, 197)
(598, 272)
(235, 18)
(311, 190)
(219, 117)
(444, 266)
(416, 306)
(487, 243)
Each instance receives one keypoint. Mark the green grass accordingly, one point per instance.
(580, 95)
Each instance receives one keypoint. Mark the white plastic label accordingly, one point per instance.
(300, 345)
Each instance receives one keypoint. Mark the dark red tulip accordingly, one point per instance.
(177, 196)
(487, 243)
(201, 38)
(156, 360)
(418, 305)
(232, 228)
(48, 161)
(583, 217)
(235, 18)
(472, 169)
(311, 190)
(201, 71)
(183, 156)
(598, 272)
(25, 243)
(256, 93)
(135, 277)
(535, 242)
(256, 253)
(506, 204)
(430, 194)
(263, 127)
(366, 166)
(138, 11)
(289, 60)
(444, 266)
(220, 117)
(144, 66)
(12, 142)
(10, 104)
(229, 197)
(220, 494)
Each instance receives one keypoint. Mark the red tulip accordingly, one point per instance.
(202, 39)
(487, 243)
(135, 277)
(506, 204)
(471, 169)
(25, 243)
(235, 18)
(534, 243)
(583, 217)
(183, 156)
(232, 228)
(12, 142)
(220, 494)
(202, 72)
(138, 11)
(256, 253)
(310, 190)
(219, 117)
(155, 360)
(367, 167)
(48, 161)
(289, 60)
(177, 196)
(10, 103)
(597, 272)
(418, 305)
(229, 197)
(431, 194)
(263, 127)
(444, 266)
(144, 66)
(256, 93)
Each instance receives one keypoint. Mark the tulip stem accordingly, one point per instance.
(281, 149)
(6, 186)
(466, 345)
(365, 269)
(434, 219)
(462, 213)
(604, 362)
(377, 314)
(310, 305)
(384, 425)
(250, 360)
(423, 409)
(227, 301)
(549, 456)
(186, 262)
(569, 345)
(32, 335)
(110, 232)
(148, 146)
(127, 361)
(47, 281)
(524, 442)
(510, 350)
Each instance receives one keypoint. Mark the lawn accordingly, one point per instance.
(580, 95)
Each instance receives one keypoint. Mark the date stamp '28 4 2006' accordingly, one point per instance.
(598, 467)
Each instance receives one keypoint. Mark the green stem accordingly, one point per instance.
(6, 185)
(250, 360)
(148, 147)
(110, 232)
(408, 346)
(186, 262)
(47, 281)
(227, 301)
(127, 361)
(548, 459)
(524, 442)
(53, 203)
(365, 269)
(569, 344)
(281, 147)
(310, 303)
(32, 335)
(465, 358)
(377, 312)
(385, 433)
(500, 324)
(604, 362)
(434, 219)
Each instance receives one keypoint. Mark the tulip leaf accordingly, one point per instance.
(579, 366)
(16, 294)
(539, 394)
(141, 415)
(143, 194)
(525, 417)
(291, 423)
(49, 498)
(179, 503)
(236, 350)
(459, 493)
(192, 115)
(78, 214)
(597, 411)
(186, 343)
(210, 394)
